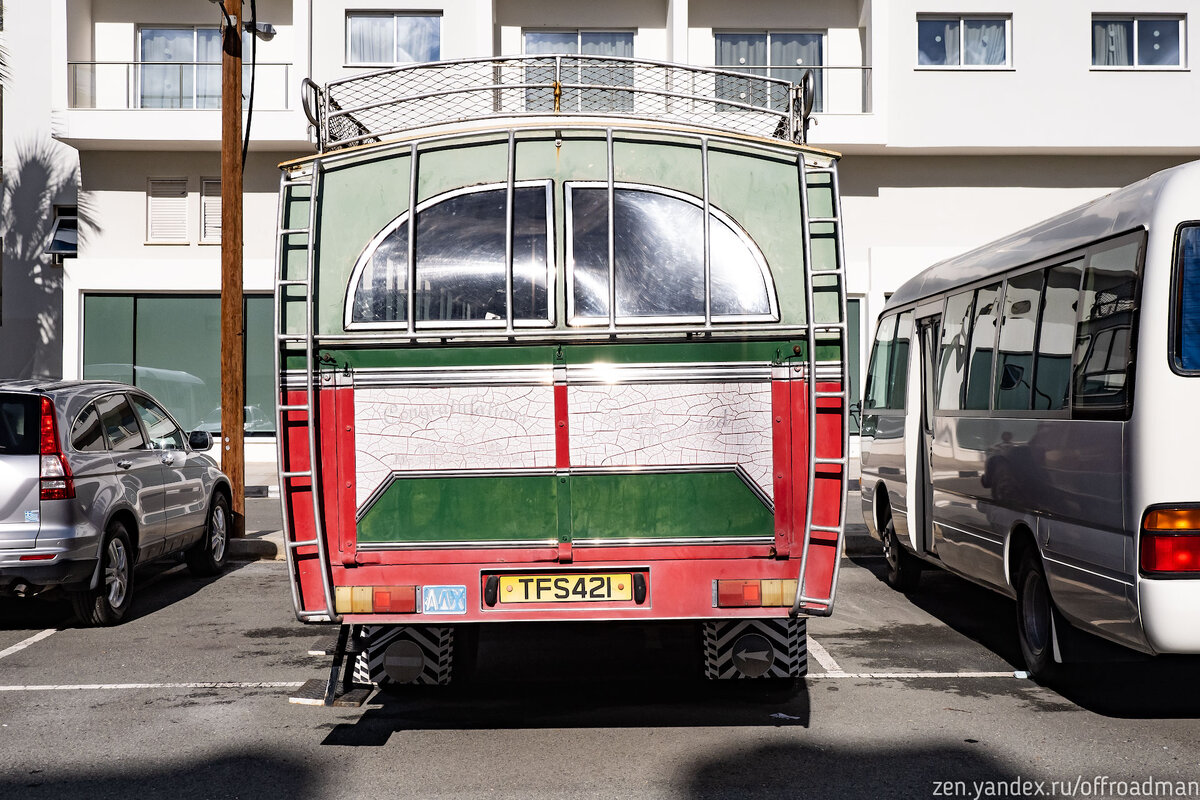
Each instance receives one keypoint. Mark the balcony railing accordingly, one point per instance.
(115, 85)
(837, 90)
(374, 106)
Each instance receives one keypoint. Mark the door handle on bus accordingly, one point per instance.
(124, 464)
(167, 459)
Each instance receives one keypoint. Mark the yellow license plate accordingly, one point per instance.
(566, 588)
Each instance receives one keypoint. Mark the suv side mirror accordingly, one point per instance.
(200, 440)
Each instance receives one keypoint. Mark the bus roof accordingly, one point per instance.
(1119, 211)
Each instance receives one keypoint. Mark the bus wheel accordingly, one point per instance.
(1035, 614)
(903, 568)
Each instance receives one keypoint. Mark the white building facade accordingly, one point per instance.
(959, 121)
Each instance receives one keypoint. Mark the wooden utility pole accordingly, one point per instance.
(233, 340)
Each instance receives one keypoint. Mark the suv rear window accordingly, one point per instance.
(19, 418)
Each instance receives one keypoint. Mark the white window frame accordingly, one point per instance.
(1008, 65)
(395, 15)
(207, 203)
(1136, 19)
(150, 210)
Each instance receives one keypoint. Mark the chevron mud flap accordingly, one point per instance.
(404, 654)
(755, 648)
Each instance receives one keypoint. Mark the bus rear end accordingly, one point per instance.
(567, 369)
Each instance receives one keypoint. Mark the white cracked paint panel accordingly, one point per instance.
(454, 427)
(670, 424)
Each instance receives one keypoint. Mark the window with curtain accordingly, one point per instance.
(1137, 41)
(963, 41)
(392, 37)
(773, 54)
(180, 67)
(613, 44)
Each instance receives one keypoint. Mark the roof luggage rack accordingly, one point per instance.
(375, 106)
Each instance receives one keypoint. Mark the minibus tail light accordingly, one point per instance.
(1171, 541)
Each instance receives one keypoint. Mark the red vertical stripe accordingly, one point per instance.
(781, 464)
(562, 429)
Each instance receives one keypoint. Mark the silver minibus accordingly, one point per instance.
(1022, 423)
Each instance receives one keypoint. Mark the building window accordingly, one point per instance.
(64, 235)
(964, 41)
(613, 44)
(210, 210)
(772, 54)
(180, 67)
(392, 37)
(123, 341)
(166, 210)
(1146, 42)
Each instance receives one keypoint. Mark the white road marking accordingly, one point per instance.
(19, 646)
(894, 675)
(826, 661)
(90, 687)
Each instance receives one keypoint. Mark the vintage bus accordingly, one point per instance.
(561, 339)
(1016, 423)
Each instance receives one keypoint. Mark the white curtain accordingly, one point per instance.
(743, 52)
(984, 42)
(791, 55)
(166, 85)
(1112, 44)
(418, 38)
(937, 42)
(208, 79)
(370, 39)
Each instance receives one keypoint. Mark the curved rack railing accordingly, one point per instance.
(374, 106)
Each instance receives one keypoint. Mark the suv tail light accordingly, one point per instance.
(57, 483)
(1171, 541)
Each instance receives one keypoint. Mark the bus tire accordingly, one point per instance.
(1035, 616)
(903, 568)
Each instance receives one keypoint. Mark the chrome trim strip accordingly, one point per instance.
(712, 540)
(506, 544)
(721, 331)
(1078, 568)
(509, 544)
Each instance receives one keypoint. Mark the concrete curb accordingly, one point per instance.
(258, 546)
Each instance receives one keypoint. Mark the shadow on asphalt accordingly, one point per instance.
(157, 585)
(1120, 683)
(580, 676)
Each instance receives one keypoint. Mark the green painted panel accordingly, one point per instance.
(498, 508)
(670, 164)
(444, 168)
(580, 158)
(820, 194)
(692, 504)
(356, 200)
(764, 351)
(763, 195)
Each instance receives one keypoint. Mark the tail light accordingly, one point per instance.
(57, 483)
(1171, 541)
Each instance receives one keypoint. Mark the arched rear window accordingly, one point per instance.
(657, 270)
(461, 263)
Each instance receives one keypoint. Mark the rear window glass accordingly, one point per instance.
(1187, 300)
(19, 417)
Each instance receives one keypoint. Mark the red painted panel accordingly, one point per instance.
(781, 458)
(562, 429)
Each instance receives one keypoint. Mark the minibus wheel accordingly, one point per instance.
(1035, 613)
(903, 568)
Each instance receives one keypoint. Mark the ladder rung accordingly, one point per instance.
(840, 461)
(819, 395)
(824, 529)
(303, 407)
(292, 231)
(305, 543)
(291, 282)
(823, 219)
(303, 473)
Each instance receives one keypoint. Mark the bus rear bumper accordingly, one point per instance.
(1168, 609)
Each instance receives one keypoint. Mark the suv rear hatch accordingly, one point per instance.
(20, 470)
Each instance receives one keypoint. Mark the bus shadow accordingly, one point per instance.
(1117, 682)
(549, 676)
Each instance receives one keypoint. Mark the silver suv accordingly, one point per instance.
(96, 477)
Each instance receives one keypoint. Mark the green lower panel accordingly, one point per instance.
(658, 506)
(500, 508)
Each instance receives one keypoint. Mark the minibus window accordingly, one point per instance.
(878, 376)
(983, 344)
(1187, 301)
(898, 384)
(1056, 336)
(952, 360)
(1014, 363)
(1103, 353)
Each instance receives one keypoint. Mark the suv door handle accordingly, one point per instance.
(124, 464)
(168, 459)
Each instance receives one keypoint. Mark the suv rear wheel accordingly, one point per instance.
(207, 556)
(109, 601)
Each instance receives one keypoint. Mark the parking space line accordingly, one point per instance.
(826, 661)
(902, 675)
(89, 687)
(19, 646)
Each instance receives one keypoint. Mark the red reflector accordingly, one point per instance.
(57, 483)
(395, 599)
(739, 594)
(41, 557)
(1164, 553)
